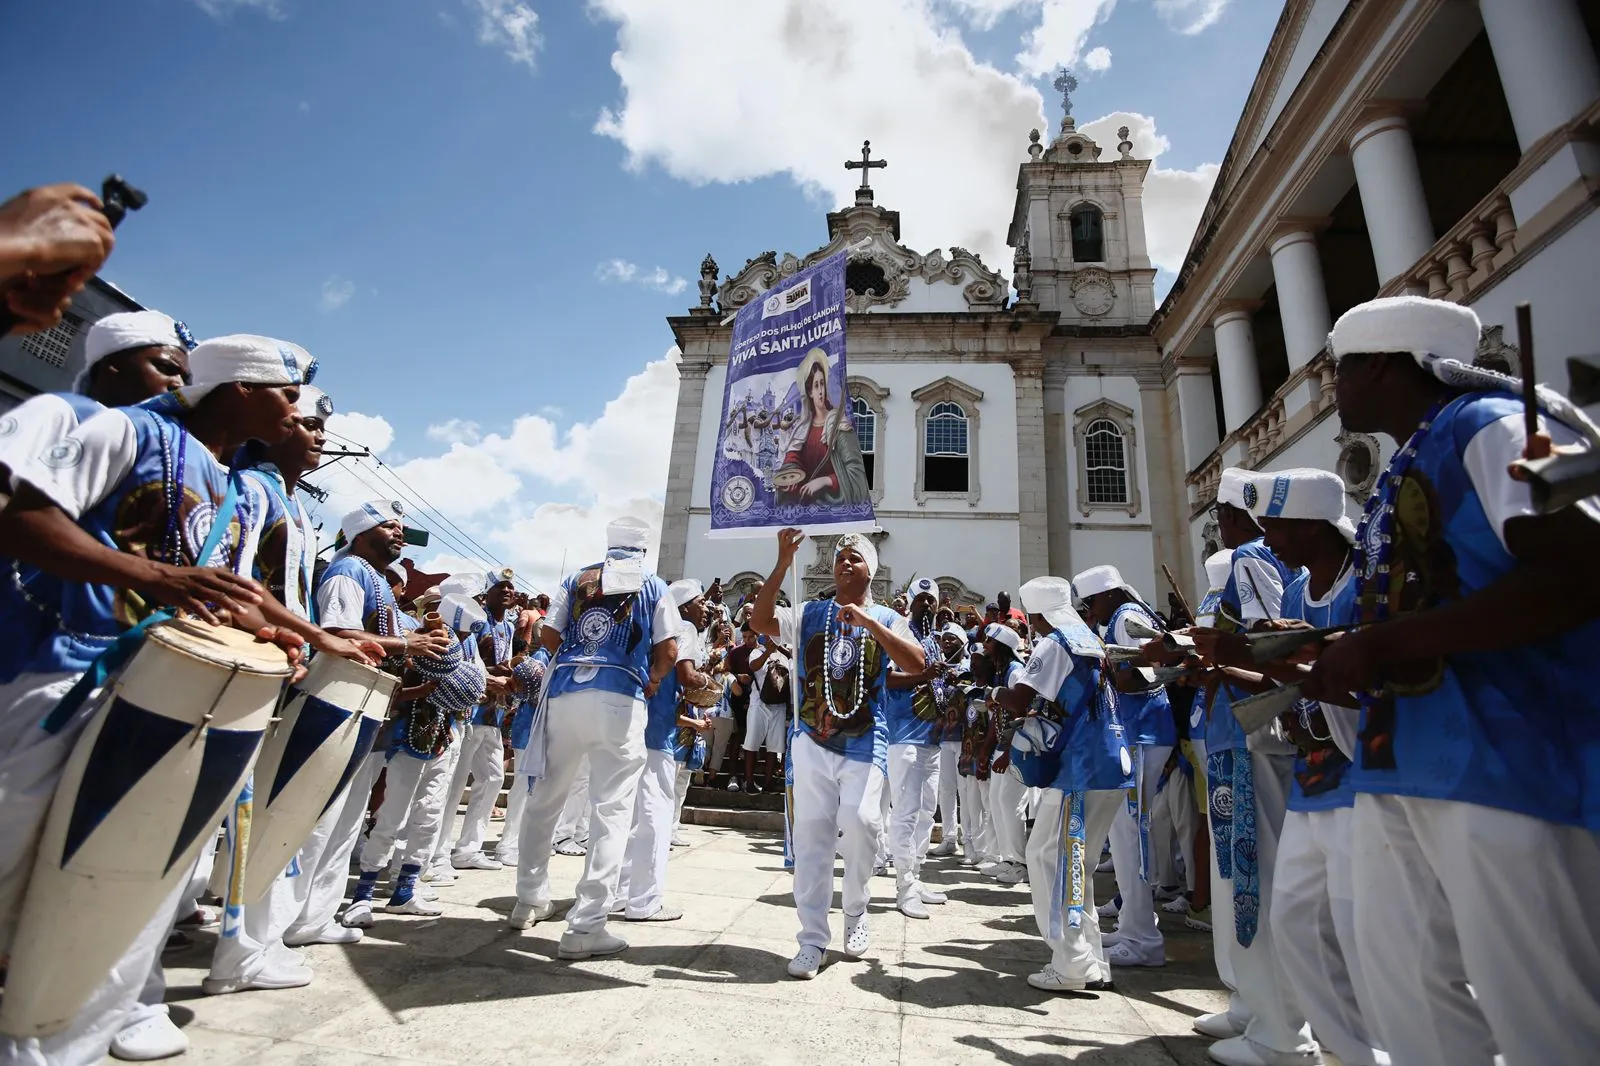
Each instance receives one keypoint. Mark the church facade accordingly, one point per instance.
(1058, 419)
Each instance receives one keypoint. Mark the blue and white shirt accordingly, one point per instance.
(500, 635)
(911, 715)
(1147, 715)
(287, 558)
(1095, 755)
(1331, 774)
(661, 722)
(1254, 591)
(843, 676)
(606, 641)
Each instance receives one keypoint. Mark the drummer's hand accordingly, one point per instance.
(365, 652)
(497, 686)
(430, 642)
(293, 646)
(193, 588)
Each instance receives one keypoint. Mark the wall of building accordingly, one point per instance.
(1314, 31)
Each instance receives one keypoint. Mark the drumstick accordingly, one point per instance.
(1536, 445)
(1183, 601)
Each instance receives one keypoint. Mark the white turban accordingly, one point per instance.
(246, 359)
(1231, 488)
(1006, 635)
(628, 533)
(686, 591)
(862, 545)
(370, 515)
(125, 330)
(314, 403)
(460, 613)
(1304, 493)
(1052, 598)
(923, 586)
(1098, 579)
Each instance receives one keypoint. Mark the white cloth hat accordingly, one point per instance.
(1004, 635)
(125, 330)
(1231, 488)
(1304, 493)
(923, 586)
(686, 591)
(503, 576)
(1219, 567)
(460, 613)
(398, 572)
(628, 533)
(1052, 597)
(468, 585)
(1098, 579)
(314, 403)
(954, 631)
(862, 545)
(246, 359)
(370, 515)
(1413, 324)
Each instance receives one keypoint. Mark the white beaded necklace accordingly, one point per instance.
(827, 656)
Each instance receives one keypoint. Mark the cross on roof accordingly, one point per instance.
(1066, 85)
(867, 164)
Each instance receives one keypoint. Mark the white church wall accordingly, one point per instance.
(1133, 554)
(926, 295)
(1319, 22)
(1083, 390)
(705, 452)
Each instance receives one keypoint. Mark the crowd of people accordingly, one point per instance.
(1366, 761)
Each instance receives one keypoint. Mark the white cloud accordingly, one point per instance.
(1173, 199)
(620, 270)
(510, 26)
(336, 292)
(1098, 59)
(1063, 28)
(1190, 16)
(983, 14)
(612, 466)
(220, 9)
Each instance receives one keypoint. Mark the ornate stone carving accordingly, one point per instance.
(1093, 292)
(1022, 270)
(1035, 149)
(708, 281)
(1497, 353)
(1124, 145)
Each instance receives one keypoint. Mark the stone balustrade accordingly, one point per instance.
(1483, 241)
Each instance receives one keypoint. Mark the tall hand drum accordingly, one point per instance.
(328, 726)
(171, 741)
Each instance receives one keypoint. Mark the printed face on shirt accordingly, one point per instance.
(849, 667)
(141, 529)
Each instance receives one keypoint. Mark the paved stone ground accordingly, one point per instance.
(709, 989)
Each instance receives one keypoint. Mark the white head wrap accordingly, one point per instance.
(923, 586)
(1231, 488)
(627, 539)
(1303, 492)
(1005, 635)
(128, 329)
(1098, 579)
(1052, 598)
(370, 515)
(314, 403)
(862, 545)
(686, 591)
(246, 359)
(503, 576)
(954, 631)
(460, 613)
(1219, 567)
(628, 533)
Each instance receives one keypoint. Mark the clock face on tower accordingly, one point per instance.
(1092, 292)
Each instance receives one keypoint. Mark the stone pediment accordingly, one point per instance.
(883, 267)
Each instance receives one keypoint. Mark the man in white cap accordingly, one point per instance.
(642, 887)
(1478, 775)
(1088, 790)
(913, 710)
(73, 516)
(843, 649)
(612, 632)
(1111, 605)
(1008, 826)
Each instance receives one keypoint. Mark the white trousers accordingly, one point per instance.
(1136, 921)
(1172, 818)
(1313, 928)
(1078, 952)
(413, 802)
(949, 792)
(832, 794)
(1264, 995)
(574, 821)
(643, 884)
(31, 762)
(243, 953)
(913, 793)
(437, 850)
(1006, 797)
(482, 757)
(681, 793)
(1450, 893)
(516, 803)
(325, 858)
(608, 729)
(977, 838)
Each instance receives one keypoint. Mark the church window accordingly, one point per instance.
(867, 433)
(863, 276)
(1088, 242)
(1105, 462)
(945, 449)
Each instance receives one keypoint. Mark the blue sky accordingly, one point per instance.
(477, 213)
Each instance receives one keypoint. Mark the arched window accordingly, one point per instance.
(1088, 242)
(944, 449)
(867, 433)
(1105, 462)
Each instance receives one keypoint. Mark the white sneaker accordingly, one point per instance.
(425, 892)
(526, 914)
(806, 963)
(857, 937)
(945, 848)
(358, 915)
(1240, 1051)
(1167, 892)
(415, 905)
(439, 877)
(1176, 906)
(332, 934)
(476, 861)
(507, 858)
(931, 895)
(1122, 954)
(679, 840)
(1011, 873)
(1049, 980)
(911, 905)
(576, 947)
(152, 1038)
(271, 976)
(570, 847)
(1109, 909)
(1218, 1026)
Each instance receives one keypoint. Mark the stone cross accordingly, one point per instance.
(867, 164)
(1066, 85)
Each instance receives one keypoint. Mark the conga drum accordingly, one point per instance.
(328, 725)
(170, 744)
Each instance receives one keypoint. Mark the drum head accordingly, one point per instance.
(222, 645)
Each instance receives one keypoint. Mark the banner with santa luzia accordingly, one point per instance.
(787, 453)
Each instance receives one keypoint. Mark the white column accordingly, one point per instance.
(1197, 410)
(1236, 366)
(1302, 299)
(1546, 63)
(1391, 194)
